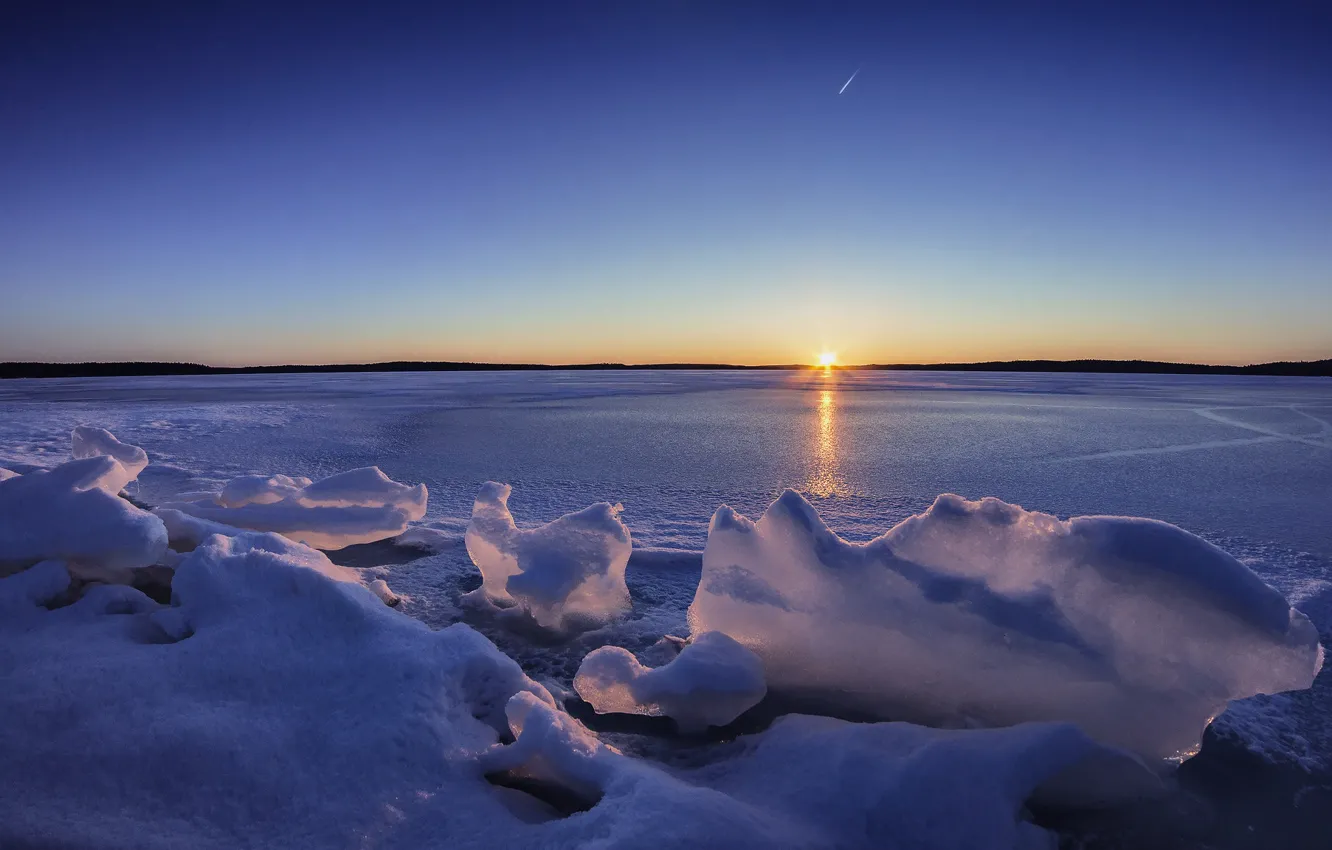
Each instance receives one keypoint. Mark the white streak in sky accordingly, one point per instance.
(848, 82)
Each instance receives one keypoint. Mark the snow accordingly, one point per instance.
(380, 588)
(89, 441)
(23, 591)
(264, 545)
(982, 613)
(805, 782)
(364, 487)
(895, 784)
(185, 531)
(261, 490)
(238, 542)
(711, 682)
(292, 710)
(357, 506)
(271, 705)
(552, 747)
(280, 702)
(430, 539)
(5, 474)
(1289, 728)
(569, 569)
(1269, 726)
(70, 514)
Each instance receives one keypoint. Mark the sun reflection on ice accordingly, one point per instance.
(825, 478)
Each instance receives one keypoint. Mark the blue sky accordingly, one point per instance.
(668, 181)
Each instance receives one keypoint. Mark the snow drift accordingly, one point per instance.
(898, 785)
(571, 567)
(272, 706)
(235, 541)
(314, 711)
(805, 782)
(984, 613)
(710, 683)
(357, 506)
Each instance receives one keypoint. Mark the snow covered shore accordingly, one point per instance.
(276, 700)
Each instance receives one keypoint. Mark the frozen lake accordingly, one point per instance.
(1246, 462)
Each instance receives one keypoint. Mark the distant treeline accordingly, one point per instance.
(1313, 368)
(107, 370)
(1309, 368)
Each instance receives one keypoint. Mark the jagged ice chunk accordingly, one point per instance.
(571, 566)
(984, 613)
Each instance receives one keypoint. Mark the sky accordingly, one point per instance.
(665, 181)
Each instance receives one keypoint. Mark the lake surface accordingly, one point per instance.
(1243, 461)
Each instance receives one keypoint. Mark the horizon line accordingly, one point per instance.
(145, 368)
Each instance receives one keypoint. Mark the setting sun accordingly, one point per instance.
(827, 359)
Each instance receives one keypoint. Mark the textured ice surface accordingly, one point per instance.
(711, 682)
(357, 506)
(570, 567)
(430, 539)
(1290, 728)
(71, 514)
(981, 612)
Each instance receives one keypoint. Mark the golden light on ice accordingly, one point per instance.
(827, 359)
(825, 478)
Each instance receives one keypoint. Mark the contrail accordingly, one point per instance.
(848, 82)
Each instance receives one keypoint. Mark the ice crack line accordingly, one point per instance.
(1324, 431)
(1210, 413)
(1185, 447)
(1267, 435)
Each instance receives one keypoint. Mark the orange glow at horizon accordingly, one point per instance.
(828, 359)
